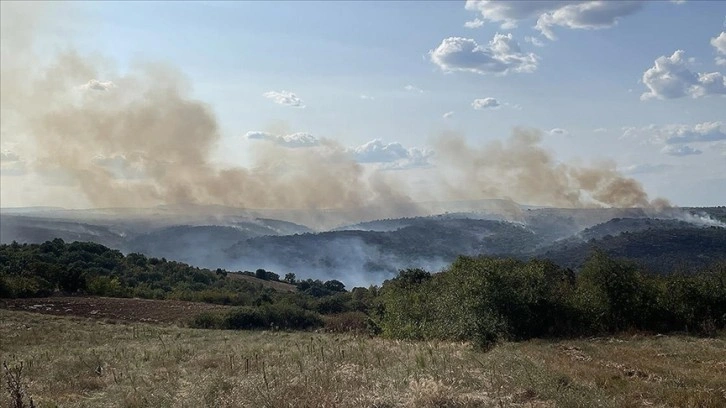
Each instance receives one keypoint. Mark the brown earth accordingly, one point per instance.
(128, 310)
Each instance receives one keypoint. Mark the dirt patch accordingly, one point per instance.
(130, 310)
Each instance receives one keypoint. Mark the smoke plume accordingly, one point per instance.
(138, 139)
(520, 169)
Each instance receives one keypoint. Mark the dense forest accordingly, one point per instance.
(479, 299)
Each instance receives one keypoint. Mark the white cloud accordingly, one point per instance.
(284, 98)
(702, 132)
(534, 41)
(486, 103)
(476, 23)
(447, 115)
(411, 88)
(589, 15)
(600, 130)
(501, 56)
(645, 168)
(679, 134)
(392, 155)
(719, 43)
(569, 14)
(367, 97)
(299, 139)
(558, 132)
(670, 78)
(682, 150)
(97, 85)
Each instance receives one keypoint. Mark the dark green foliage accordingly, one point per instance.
(33, 270)
(488, 299)
(277, 316)
(208, 320)
(675, 247)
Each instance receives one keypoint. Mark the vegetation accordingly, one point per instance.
(663, 247)
(73, 362)
(488, 299)
(85, 268)
(484, 299)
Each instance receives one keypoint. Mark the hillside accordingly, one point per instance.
(353, 254)
(664, 249)
(31, 270)
(369, 252)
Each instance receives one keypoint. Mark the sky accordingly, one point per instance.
(638, 86)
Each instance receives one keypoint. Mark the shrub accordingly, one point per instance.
(277, 316)
(208, 320)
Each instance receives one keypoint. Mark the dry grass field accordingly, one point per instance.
(80, 362)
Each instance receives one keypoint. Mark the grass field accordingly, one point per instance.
(81, 362)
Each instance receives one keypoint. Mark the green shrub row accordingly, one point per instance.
(272, 316)
(485, 300)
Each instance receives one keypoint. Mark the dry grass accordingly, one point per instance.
(73, 362)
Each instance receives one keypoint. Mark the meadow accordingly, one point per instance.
(82, 362)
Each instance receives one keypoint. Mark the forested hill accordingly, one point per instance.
(659, 250)
(89, 268)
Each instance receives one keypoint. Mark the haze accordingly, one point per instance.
(378, 107)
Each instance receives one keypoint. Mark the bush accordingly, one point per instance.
(277, 316)
(208, 320)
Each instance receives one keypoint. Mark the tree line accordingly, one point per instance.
(479, 299)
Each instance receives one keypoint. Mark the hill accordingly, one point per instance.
(661, 247)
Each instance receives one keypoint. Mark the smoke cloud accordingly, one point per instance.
(155, 144)
(521, 170)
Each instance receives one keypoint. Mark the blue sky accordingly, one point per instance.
(369, 70)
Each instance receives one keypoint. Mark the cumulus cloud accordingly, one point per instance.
(486, 103)
(670, 78)
(476, 23)
(589, 15)
(284, 98)
(501, 56)
(600, 130)
(683, 150)
(96, 85)
(448, 114)
(294, 140)
(719, 43)
(392, 155)
(367, 97)
(678, 133)
(581, 15)
(411, 88)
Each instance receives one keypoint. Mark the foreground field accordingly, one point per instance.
(73, 362)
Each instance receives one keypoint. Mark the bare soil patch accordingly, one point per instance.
(129, 310)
